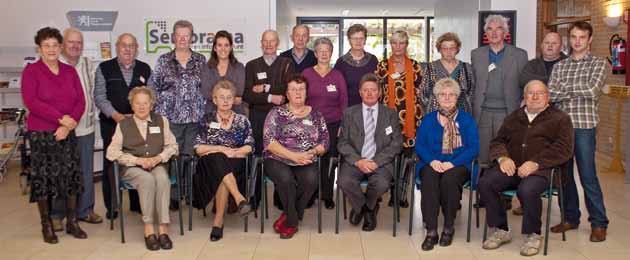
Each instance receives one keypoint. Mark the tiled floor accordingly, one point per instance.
(20, 237)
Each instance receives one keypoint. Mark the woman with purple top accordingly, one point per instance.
(356, 63)
(294, 134)
(53, 95)
(327, 94)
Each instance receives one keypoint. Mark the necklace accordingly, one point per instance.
(225, 120)
(297, 112)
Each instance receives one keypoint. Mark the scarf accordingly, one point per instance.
(451, 138)
(409, 129)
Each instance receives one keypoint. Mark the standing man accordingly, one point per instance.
(265, 87)
(497, 92)
(540, 69)
(72, 49)
(575, 86)
(301, 57)
(114, 79)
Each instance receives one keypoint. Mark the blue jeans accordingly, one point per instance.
(85, 204)
(593, 196)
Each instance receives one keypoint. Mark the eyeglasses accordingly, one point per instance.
(224, 98)
(49, 46)
(447, 95)
(357, 39)
(539, 94)
(128, 46)
(448, 48)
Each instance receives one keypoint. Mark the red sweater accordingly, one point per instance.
(48, 97)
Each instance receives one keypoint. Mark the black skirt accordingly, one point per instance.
(211, 169)
(56, 170)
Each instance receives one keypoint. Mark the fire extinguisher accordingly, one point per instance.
(617, 58)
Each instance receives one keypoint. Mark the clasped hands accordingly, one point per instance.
(508, 167)
(149, 163)
(67, 123)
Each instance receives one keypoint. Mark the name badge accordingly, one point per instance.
(491, 67)
(331, 88)
(388, 130)
(395, 75)
(154, 130)
(214, 125)
(307, 122)
(261, 75)
(141, 79)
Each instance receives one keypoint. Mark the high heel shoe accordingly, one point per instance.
(216, 234)
(244, 208)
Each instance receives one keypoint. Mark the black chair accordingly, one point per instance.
(470, 185)
(192, 163)
(263, 182)
(122, 185)
(548, 194)
(364, 183)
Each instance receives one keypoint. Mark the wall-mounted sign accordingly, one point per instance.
(510, 36)
(159, 34)
(92, 21)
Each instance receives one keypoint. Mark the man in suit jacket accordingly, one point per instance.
(369, 141)
(497, 92)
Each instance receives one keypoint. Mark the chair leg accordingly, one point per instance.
(319, 198)
(562, 216)
(122, 218)
(337, 194)
(412, 206)
(485, 230)
(477, 208)
(263, 199)
(395, 220)
(246, 218)
(345, 210)
(470, 196)
(191, 172)
(547, 225)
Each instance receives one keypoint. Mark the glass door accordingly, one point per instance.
(328, 29)
(374, 42)
(416, 29)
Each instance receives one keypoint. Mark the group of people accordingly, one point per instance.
(520, 119)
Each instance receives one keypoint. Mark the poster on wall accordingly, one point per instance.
(159, 34)
(510, 37)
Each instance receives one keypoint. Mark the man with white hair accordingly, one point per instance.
(72, 49)
(497, 67)
(301, 56)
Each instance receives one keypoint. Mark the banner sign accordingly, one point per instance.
(92, 21)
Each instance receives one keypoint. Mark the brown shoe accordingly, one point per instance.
(518, 211)
(598, 234)
(92, 218)
(562, 227)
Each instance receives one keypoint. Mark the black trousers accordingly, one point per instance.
(295, 186)
(328, 178)
(529, 189)
(107, 180)
(441, 190)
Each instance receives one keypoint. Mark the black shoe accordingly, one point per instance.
(165, 242)
(429, 242)
(356, 217)
(403, 204)
(329, 204)
(174, 205)
(310, 203)
(111, 214)
(459, 205)
(244, 208)
(446, 238)
(216, 234)
(369, 220)
(151, 242)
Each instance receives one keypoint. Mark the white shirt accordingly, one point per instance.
(86, 71)
(532, 116)
(365, 114)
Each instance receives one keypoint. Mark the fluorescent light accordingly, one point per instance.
(384, 11)
(345, 12)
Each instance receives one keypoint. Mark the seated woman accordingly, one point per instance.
(294, 134)
(143, 143)
(447, 143)
(224, 140)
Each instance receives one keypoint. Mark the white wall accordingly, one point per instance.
(20, 19)
(462, 17)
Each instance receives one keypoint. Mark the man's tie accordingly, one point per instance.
(369, 147)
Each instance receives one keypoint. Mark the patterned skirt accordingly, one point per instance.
(55, 166)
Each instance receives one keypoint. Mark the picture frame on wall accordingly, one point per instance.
(510, 38)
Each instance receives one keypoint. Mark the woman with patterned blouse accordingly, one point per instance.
(224, 140)
(400, 80)
(294, 134)
(448, 66)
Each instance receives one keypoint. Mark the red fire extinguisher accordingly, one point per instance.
(617, 58)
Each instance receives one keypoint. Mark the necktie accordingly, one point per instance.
(369, 146)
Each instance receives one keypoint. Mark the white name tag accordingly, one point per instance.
(307, 122)
(141, 79)
(491, 67)
(214, 125)
(388, 130)
(396, 75)
(267, 87)
(154, 130)
(331, 88)
(261, 75)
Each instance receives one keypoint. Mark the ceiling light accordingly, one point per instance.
(345, 12)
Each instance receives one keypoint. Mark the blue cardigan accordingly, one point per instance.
(429, 141)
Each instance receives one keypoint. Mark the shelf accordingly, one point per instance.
(11, 69)
(10, 90)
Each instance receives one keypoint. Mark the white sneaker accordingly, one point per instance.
(498, 238)
(531, 246)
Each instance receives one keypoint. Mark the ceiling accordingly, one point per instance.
(356, 7)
